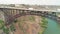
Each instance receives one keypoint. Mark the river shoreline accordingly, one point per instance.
(53, 27)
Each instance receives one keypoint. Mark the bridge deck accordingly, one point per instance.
(49, 10)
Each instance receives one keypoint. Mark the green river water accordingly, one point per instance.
(53, 27)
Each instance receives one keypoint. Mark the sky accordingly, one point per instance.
(31, 2)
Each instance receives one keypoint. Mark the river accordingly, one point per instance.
(53, 27)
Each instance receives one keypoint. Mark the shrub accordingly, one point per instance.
(15, 20)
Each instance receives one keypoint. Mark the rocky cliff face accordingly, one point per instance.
(28, 25)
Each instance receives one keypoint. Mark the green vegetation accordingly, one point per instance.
(22, 28)
(15, 20)
(12, 28)
(44, 23)
(6, 30)
(31, 18)
(38, 32)
(21, 24)
(1, 24)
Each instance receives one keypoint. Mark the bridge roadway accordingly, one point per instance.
(29, 9)
(11, 14)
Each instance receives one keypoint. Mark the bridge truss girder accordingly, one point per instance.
(12, 14)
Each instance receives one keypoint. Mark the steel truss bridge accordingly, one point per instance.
(10, 14)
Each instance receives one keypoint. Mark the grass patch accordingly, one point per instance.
(12, 28)
(38, 32)
(6, 30)
(44, 23)
(31, 18)
(21, 23)
(1, 24)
